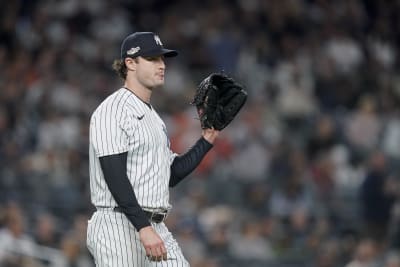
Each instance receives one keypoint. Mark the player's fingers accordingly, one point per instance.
(159, 253)
(164, 252)
(155, 258)
(148, 252)
(163, 249)
(151, 255)
(155, 254)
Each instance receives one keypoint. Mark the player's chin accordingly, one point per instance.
(159, 82)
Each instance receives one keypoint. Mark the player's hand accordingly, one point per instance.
(153, 244)
(210, 135)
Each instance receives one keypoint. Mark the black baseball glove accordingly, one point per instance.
(218, 99)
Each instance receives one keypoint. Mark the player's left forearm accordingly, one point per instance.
(210, 135)
(186, 163)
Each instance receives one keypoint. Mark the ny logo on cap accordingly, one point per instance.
(157, 39)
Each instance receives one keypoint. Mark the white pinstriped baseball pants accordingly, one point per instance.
(114, 242)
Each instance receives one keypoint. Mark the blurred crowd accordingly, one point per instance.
(307, 175)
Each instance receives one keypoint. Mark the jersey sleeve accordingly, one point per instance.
(110, 132)
(172, 156)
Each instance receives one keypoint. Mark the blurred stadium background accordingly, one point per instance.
(308, 175)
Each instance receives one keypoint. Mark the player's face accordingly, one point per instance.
(150, 71)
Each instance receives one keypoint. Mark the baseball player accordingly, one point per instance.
(132, 166)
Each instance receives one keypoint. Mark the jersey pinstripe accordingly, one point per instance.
(124, 123)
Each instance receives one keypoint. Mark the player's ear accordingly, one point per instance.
(130, 63)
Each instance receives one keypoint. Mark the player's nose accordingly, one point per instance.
(161, 63)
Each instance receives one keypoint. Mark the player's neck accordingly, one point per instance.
(139, 90)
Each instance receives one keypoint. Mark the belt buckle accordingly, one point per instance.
(153, 214)
(164, 216)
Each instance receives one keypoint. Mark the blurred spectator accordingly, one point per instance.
(16, 246)
(323, 137)
(345, 52)
(46, 230)
(327, 254)
(73, 244)
(293, 196)
(392, 260)
(366, 255)
(364, 127)
(391, 136)
(188, 238)
(73, 254)
(249, 244)
(218, 241)
(377, 198)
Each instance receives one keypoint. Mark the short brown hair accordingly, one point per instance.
(120, 68)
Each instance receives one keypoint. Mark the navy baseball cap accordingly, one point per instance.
(145, 44)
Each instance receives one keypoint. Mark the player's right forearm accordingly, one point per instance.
(114, 170)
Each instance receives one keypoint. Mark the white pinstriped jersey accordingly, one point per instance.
(124, 123)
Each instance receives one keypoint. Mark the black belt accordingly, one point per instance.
(156, 217)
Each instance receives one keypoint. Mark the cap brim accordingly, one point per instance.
(159, 52)
(170, 53)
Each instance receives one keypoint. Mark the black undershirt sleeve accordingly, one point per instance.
(186, 163)
(114, 170)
